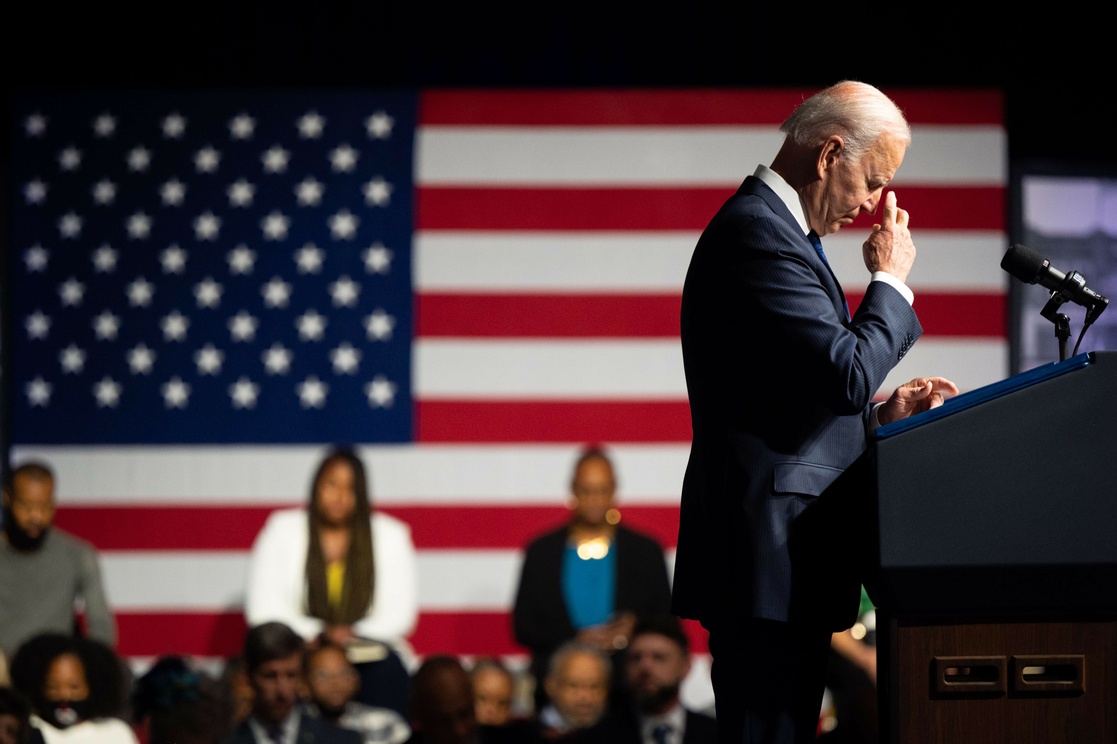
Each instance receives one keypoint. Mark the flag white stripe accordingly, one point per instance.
(683, 155)
(476, 475)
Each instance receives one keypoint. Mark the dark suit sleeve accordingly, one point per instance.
(643, 586)
(540, 620)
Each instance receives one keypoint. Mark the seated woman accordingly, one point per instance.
(77, 688)
(342, 572)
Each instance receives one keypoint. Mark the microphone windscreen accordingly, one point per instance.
(1023, 263)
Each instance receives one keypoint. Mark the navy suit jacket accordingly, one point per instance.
(311, 731)
(780, 384)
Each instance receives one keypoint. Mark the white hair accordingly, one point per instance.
(859, 113)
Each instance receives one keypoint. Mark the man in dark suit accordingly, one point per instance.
(273, 655)
(655, 666)
(781, 382)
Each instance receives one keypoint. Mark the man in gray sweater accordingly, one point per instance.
(46, 574)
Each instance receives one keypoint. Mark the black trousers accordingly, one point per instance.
(768, 679)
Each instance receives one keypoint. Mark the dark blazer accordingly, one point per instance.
(311, 731)
(540, 618)
(780, 384)
(623, 727)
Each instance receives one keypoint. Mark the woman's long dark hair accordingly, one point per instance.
(357, 589)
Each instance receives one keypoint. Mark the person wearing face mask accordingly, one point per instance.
(77, 688)
(339, 572)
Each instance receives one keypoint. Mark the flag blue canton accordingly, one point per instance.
(209, 268)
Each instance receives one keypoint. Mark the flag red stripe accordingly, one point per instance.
(681, 107)
(520, 421)
(667, 208)
(651, 315)
(219, 634)
(433, 527)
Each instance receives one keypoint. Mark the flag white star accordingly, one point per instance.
(139, 226)
(311, 325)
(381, 392)
(343, 225)
(104, 125)
(35, 192)
(37, 325)
(69, 159)
(69, 225)
(309, 192)
(379, 325)
(244, 393)
(242, 326)
(174, 326)
(35, 125)
(174, 125)
(176, 393)
(345, 359)
(310, 125)
(106, 326)
(309, 259)
(104, 192)
(38, 392)
(379, 125)
(72, 359)
(139, 158)
(104, 259)
(71, 292)
(242, 260)
(172, 192)
(208, 360)
(241, 193)
(141, 359)
(277, 359)
(140, 292)
(343, 158)
(207, 293)
(312, 392)
(276, 293)
(378, 192)
(275, 159)
(242, 126)
(207, 159)
(378, 259)
(206, 226)
(36, 258)
(107, 392)
(274, 226)
(173, 259)
(344, 292)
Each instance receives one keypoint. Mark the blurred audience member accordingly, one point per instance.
(577, 688)
(442, 708)
(340, 572)
(332, 684)
(273, 657)
(656, 663)
(15, 719)
(591, 578)
(77, 688)
(173, 703)
(234, 678)
(46, 574)
(494, 689)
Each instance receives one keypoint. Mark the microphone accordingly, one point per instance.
(1028, 266)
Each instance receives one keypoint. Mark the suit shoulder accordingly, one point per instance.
(637, 539)
(316, 731)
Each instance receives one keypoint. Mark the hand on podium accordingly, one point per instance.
(916, 396)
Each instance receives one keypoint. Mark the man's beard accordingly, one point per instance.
(654, 701)
(18, 538)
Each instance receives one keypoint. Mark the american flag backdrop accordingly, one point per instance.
(208, 288)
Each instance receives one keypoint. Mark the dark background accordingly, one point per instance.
(1052, 62)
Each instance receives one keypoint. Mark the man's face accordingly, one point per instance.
(847, 187)
(448, 715)
(655, 666)
(332, 681)
(579, 689)
(594, 488)
(492, 691)
(31, 506)
(276, 685)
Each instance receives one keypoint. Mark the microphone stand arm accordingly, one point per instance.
(1061, 321)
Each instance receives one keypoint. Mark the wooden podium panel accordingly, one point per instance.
(951, 682)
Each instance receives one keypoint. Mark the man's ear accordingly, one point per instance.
(829, 154)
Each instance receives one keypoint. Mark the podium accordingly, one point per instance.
(993, 566)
